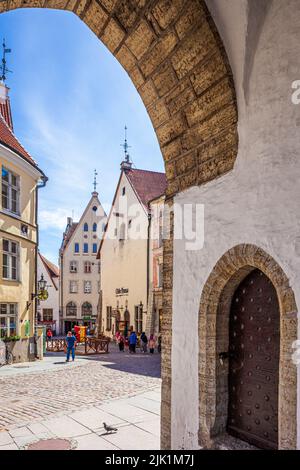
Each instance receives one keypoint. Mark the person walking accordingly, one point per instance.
(132, 342)
(71, 344)
(144, 342)
(152, 343)
(120, 342)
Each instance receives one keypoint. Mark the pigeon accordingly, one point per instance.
(109, 428)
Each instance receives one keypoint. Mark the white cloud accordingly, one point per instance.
(53, 219)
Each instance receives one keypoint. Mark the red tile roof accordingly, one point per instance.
(8, 139)
(147, 184)
(67, 235)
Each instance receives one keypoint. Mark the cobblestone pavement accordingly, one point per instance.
(31, 394)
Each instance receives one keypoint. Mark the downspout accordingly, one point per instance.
(148, 256)
(42, 184)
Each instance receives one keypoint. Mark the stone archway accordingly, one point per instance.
(215, 304)
(174, 56)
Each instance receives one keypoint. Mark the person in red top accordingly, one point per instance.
(49, 334)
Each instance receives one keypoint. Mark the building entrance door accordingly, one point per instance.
(254, 340)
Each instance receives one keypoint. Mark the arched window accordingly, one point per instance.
(87, 266)
(86, 309)
(122, 232)
(95, 227)
(71, 309)
(85, 227)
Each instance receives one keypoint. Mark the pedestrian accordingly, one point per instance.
(159, 344)
(152, 343)
(120, 341)
(132, 342)
(71, 344)
(49, 334)
(127, 343)
(144, 342)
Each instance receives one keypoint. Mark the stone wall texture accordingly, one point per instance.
(175, 58)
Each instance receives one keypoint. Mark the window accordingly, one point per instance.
(94, 227)
(129, 223)
(94, 247)
(94, 208)
(76, 248)
(85, 248)
(73, 266)
(71, 309)
(122, 232)
(108, 318)
(123, 191)
(73, 287)
(10, 260)
(85, 227)
(86, 309)
(87, 287)
(8, 320)
(47, 314)
(103, 227)
(138, 315)
(87, 266)
(10, 191)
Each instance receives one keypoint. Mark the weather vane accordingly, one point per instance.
(126, 146)
(95, 180)
(4, 69)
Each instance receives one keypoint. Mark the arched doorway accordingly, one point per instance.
(126, 322)
(253, 354)
(225, 284)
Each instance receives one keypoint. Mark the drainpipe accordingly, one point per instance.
(148, 256)
(42, 184)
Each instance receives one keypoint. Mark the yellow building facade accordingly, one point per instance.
(20, 178)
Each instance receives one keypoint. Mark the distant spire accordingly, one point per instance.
(3, 67)
(126, 146)
(126, 164)
(95, 181)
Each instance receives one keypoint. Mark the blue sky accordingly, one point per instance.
(70, 100)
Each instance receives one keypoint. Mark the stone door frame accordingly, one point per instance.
(214, 311)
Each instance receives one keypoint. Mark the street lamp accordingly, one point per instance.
(42, 293)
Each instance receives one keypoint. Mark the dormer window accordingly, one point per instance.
(85, 227)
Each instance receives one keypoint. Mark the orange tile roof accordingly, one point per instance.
(9, 140)
(52, 269)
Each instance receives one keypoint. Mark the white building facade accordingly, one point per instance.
(79, 269)
(124, 252)
(48, 310)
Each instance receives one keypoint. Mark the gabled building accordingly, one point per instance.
(124, 251)
(20, 179)
(79, 269)
(48, 310)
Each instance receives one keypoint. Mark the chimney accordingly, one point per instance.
(69, 221)
(5, 110)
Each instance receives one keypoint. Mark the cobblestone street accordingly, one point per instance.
(42, 400)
